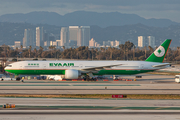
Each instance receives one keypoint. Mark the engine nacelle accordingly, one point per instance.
(71, 74)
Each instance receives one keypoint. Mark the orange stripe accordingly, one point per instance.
(167, 51)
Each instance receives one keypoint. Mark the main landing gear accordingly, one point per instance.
(87, 78)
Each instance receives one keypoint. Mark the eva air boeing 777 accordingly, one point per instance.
(76, 69)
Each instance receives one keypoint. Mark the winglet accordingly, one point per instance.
(160, 53)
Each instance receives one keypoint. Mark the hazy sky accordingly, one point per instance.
(169, 9)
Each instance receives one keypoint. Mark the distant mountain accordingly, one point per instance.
(84, 18)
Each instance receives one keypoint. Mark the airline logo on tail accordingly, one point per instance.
(160, 51)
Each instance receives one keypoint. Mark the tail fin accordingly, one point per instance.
(160, 53)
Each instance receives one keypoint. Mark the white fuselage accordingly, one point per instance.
(131, 67)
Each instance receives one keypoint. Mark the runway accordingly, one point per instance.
(100, 109)
(90, 117)
(97, 109)
(58, 103)
(88, 88)
(89, 112)
(148, 84)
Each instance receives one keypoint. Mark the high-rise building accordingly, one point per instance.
(64, 36)
(141, 41)
(25, 39)
(151, 41)
(83, 36)
(73, 32)
(29, 38)
(39, 37)
(92, 42)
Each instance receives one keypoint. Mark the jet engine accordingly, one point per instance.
(72, 74)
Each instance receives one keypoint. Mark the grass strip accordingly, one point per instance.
(165, 73)
(97, 96)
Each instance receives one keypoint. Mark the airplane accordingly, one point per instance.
(73, 69)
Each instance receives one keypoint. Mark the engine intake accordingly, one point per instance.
(72, 74)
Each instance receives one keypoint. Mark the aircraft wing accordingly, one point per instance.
(161, 65)
(95, 69)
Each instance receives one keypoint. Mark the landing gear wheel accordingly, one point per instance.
(18, 78)
(87, 78)
(93, 79)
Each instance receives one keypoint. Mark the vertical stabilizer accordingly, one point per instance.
(159, 54)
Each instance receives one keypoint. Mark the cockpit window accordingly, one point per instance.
(9, 66)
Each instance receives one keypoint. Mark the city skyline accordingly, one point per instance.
(78, 35)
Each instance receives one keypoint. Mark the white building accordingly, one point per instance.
(73, 32)
(151, 41)
(141, 41)
(39, 36)
(92, 43)
(83, 36)
(64, 36)
(29, 38)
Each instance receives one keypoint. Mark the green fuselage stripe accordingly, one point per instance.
(62, 72)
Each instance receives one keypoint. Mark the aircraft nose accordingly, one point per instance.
(5, 68)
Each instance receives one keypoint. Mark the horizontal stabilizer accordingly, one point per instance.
(162, 65)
